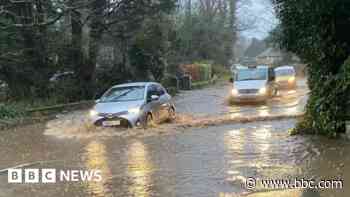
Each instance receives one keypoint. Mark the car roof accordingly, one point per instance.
(135, 84)
(253, 67)
(284, 68)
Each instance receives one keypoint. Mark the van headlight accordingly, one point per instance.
(262, 90)
(234, 91)
(93, 112)
(135, 110)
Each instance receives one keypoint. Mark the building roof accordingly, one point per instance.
(270, 52)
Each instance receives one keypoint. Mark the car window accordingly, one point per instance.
(119, 94)
(160, 90)
(152, 90)
(285, 72)
(251, 74)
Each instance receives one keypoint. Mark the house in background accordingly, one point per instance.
(270, 57)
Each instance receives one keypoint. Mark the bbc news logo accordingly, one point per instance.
(52, 176)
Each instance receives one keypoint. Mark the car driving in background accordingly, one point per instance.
(285, 77)
(133, 104)
(253, 84)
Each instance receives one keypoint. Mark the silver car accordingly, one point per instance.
(133, 104)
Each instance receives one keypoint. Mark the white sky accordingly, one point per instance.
(259, 11)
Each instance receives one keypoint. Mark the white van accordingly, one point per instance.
(253, 84)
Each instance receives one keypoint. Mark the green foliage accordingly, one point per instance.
(328, 104)
(150, 48)
(205, 72)
(317, 31)
(204, 32)
(109, 76)
(222, 71)
(33, 47)
(169, 81)
(10, 112)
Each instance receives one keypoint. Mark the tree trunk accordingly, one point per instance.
(86, 50)
(233, 32)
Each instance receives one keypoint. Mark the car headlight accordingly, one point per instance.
(291, 80)
(234, 91)
(262, 91)
(93, 112)
(134, 110)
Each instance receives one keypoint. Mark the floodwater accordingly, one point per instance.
(172, 159)
(213, 101)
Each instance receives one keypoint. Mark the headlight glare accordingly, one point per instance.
(93, 112)
(262, 91)
(291, 80)
(134, 110)
(234, 91)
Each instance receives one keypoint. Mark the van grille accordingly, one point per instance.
(248, 91)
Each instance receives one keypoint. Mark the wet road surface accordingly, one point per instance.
(213, 101)
(171, 160)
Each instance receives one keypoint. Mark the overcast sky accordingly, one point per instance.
(260, 15)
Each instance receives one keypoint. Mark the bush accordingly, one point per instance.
(10, 112)
(108, 76)
(220, 70)
(169, 81)
(327, 109)
(205, 71)
(198, 71)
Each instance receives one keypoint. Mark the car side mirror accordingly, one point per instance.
(231, 80)
(154, 97)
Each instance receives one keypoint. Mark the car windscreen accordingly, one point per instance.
(120, 94)
(251, 74)
(285, 72)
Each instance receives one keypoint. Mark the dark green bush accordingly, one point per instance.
(220, 70)
(327, 109)
(10, 112)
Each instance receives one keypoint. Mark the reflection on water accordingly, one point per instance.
(255, 151)
(234, 134)
(139, 169)
(293, 110)
(96, 159)
(263, 134)
(263, 111)
(202, 162)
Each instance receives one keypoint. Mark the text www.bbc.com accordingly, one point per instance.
(295, 184)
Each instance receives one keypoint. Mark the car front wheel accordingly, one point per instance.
(149, 121)
(172, 114)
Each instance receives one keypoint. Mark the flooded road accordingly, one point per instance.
(214, 101)
(172, 159)
(213, 161)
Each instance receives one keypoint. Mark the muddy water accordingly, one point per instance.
(213, 101)
(196, 155)
(212, 161)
